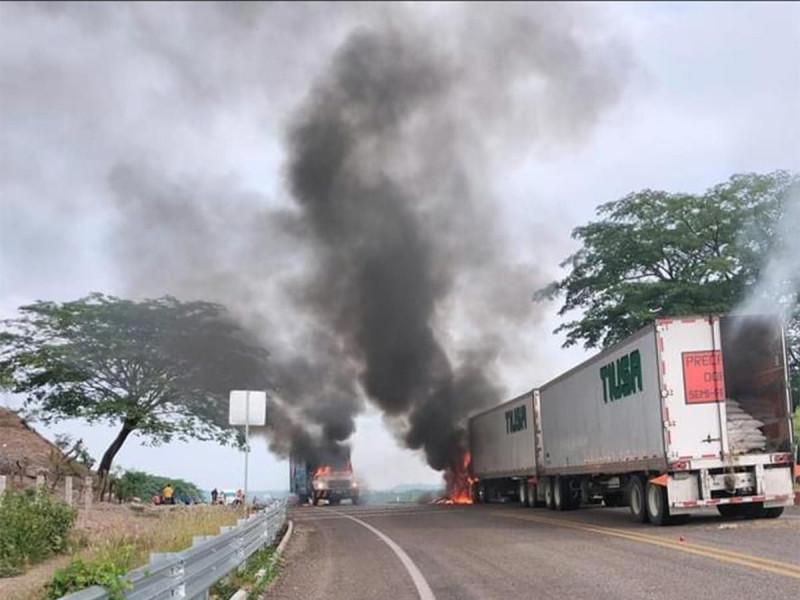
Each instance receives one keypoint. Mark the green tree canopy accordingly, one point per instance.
(144, 486)
(655, 253)
(161, 368)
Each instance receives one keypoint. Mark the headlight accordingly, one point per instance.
(320, 485)
(354, 484)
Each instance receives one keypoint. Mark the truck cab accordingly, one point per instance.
(334, 484)
(316, 483)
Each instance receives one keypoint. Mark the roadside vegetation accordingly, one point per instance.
(105, 561)
(33, 527)
(248, 578)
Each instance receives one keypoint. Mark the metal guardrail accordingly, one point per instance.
(190, 573)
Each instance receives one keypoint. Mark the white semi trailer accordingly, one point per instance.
(687, 413)
(503, 443)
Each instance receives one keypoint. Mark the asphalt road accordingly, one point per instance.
(484, 552)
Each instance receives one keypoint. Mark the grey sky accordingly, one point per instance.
(710, 89)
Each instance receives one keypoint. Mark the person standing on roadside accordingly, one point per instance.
(168, 494)
(214, 494)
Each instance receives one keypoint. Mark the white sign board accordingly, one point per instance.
(242, 414)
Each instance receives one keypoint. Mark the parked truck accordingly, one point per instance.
(503, 451)
(314, 483)
(687, 413)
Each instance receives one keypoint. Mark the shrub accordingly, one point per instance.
(106, 570)
(33, 526)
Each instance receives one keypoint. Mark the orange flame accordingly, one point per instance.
(325, 470)
(458, 483)
(322, 471)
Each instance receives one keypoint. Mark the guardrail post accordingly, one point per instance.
(68, 489)
(177, 587)
(2, 483)
(40, 481)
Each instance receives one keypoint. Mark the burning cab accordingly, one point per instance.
(316, 483)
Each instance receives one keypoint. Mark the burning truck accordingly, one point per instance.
(314, 483)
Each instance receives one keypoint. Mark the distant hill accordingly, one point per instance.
(414, 487)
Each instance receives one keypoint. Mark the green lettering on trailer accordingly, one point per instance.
(622, 378)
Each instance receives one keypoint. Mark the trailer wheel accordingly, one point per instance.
(731, 511)
(549, 500)
(657, 506)
(480, 494)
(772, 513)
(563, 498)
(531, 492)
(636, 499)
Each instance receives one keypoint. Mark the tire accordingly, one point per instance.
(637, 499)
(479, 494)
(733, 511)
(531, 495)
(750, 510)
(772, 513)
(549, 500)
(563, 497)
(657, 505)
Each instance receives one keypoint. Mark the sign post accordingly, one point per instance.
(247, 407)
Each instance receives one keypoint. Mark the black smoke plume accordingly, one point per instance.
(384, 157)
(378, 269)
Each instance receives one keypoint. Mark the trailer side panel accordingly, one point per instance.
(605, 415)
(502, 440)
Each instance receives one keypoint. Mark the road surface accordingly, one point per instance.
(484, 552)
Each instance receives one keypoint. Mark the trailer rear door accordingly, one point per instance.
(693, 387)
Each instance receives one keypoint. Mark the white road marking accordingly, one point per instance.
(423, 589)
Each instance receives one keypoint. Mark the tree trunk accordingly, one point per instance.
(108, 457)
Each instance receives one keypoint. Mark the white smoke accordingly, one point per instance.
(778, 285)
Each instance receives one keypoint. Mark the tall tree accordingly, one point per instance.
(655, 253)
(159, 368)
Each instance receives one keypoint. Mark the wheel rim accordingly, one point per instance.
(557, 494)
